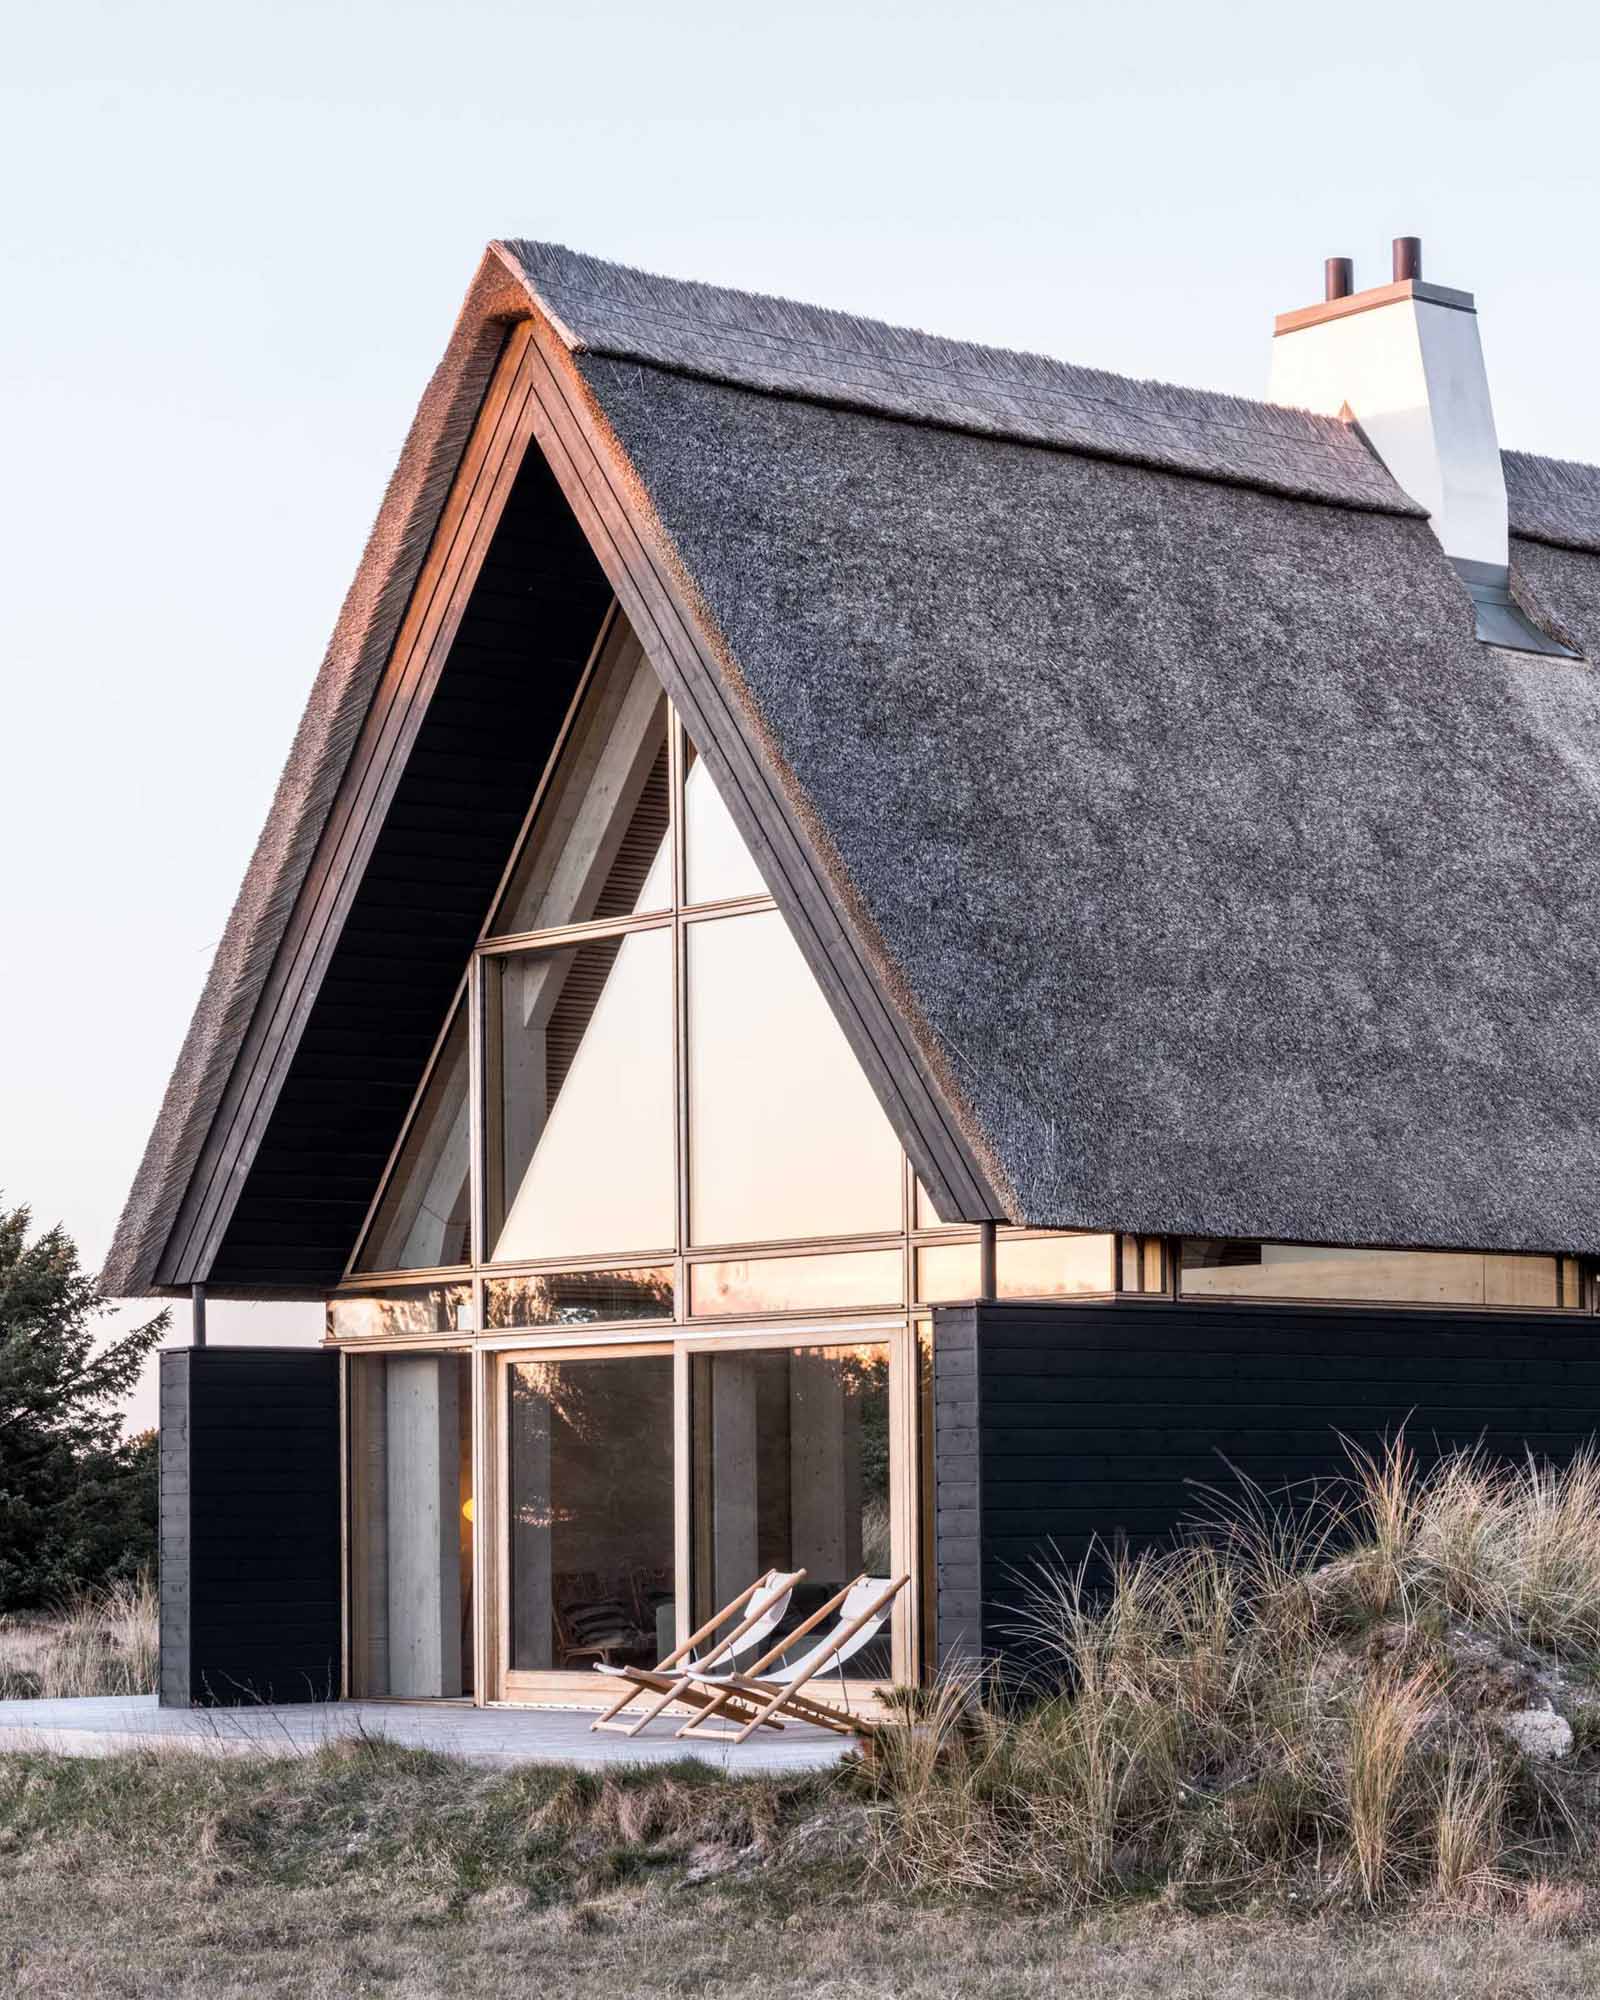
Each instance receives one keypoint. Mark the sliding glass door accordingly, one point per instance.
(644, 1486)
(589, 1569)
(791, 1450)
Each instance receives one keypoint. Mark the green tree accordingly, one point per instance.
(77, 1498)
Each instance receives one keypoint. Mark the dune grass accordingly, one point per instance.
(1302, 1707)
(99, 1642)
(1273, 1757)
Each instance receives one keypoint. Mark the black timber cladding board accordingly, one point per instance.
(250, 1572)
(1057, 1426)
(533, 617)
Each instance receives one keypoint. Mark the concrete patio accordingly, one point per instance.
(105, 1726)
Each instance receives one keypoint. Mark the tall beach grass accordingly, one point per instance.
(99, 1642)
(1300, 1705)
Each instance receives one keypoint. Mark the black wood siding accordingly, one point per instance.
(534, 615)
(1055, 1425)
(250, 1575)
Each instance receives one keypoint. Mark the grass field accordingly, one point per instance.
(367, 1870)
(1350, 1755)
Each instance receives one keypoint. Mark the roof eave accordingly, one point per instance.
(692, 659)
(362, 639)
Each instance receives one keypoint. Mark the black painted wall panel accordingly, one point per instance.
(250, 1571)
(533, 618)
(1057, 1426)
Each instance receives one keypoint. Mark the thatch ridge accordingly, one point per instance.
(752, 341)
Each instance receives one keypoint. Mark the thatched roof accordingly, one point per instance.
(1222, 879)
(1554, 500)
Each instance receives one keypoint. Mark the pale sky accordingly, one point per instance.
(237, 236)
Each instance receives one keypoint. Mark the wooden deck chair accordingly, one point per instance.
(774, 1685)
(763, 1607)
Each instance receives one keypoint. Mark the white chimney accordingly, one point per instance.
(1405, 362)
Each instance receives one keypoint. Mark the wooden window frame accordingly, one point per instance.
(505, 1686)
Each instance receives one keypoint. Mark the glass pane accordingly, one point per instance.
(421, 1221)
(792, 1284)
(1142, 1262)
(791, 1463)
(411, 1524)
(785, 1136)
(947, 1271)
(582, 1150)
(599, 846)
(402, 1309)
(1213, 1269)
(1042, 1267)
(589, 1445)
(579, 1298)
(1523, 1281)
(717, 864)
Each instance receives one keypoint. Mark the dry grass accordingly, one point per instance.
(1298, 1711)
(101, 1642)
(1271, 1761)
(368, 1870)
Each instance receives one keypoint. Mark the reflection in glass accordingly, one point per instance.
(410, 1419)
(1215, 1269)
(1050, 1266)
(402, 1309)
(785, 1136)
(717, 864)
(791, 1471)
(421, 1222)
(947, 1271)
(599, 846)
(1144, 1264)
(589, 1445)
(790, 1284)
(579, 1298)
(581, 1153)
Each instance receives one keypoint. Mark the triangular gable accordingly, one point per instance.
(1119, 756)
(244, 1117)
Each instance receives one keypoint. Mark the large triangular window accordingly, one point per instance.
(659, 1071)
(671, 1122)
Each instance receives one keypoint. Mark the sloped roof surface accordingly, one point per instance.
(776, 345)
(1553, 500)
(1243, 887)
(1142, 732)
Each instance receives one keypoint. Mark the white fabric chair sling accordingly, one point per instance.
(774, 1685)
(764, 1605)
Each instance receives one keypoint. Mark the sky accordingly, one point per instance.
(236, 238)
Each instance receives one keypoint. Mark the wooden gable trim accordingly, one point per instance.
(535, 396)
(455, 555)
(629, 543)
